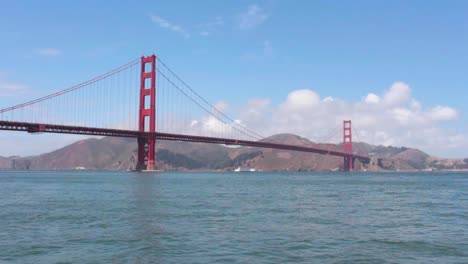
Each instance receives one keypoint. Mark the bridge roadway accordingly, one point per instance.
(48, 128)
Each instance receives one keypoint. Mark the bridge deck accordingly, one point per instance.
(48, 128)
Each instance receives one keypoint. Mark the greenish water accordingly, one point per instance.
(105, 217)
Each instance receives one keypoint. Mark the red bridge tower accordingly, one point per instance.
(347, 146)
(147, 114)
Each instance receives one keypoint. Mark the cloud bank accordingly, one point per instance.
(393, 117)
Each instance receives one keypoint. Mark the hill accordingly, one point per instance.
(120, 154)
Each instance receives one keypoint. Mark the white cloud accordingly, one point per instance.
(415, 104)
(402, 115)
(256, 109)
(443, 113)
(252, 17)
(372, 98)
(11, 89)
(193, 123)
(213, 125)
(49, 52)
(259, 103)
(391, 118)
(166, 24)
(301, 100)
(207, 29)
(303, 113)
(221, 106)
(398, 94)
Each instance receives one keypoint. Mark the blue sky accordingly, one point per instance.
(251, 54)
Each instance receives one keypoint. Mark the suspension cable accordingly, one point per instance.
(258, 136)
(78, 86)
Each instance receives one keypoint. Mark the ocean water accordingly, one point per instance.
(117, 217)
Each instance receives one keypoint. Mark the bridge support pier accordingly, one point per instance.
(348, 164)
(146, 154)
(147, 114)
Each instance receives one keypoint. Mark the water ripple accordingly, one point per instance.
(104, 217)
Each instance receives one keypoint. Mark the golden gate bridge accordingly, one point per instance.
(146, 100)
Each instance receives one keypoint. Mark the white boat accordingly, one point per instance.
(244, 169)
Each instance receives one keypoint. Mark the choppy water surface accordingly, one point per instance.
(105, 217)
